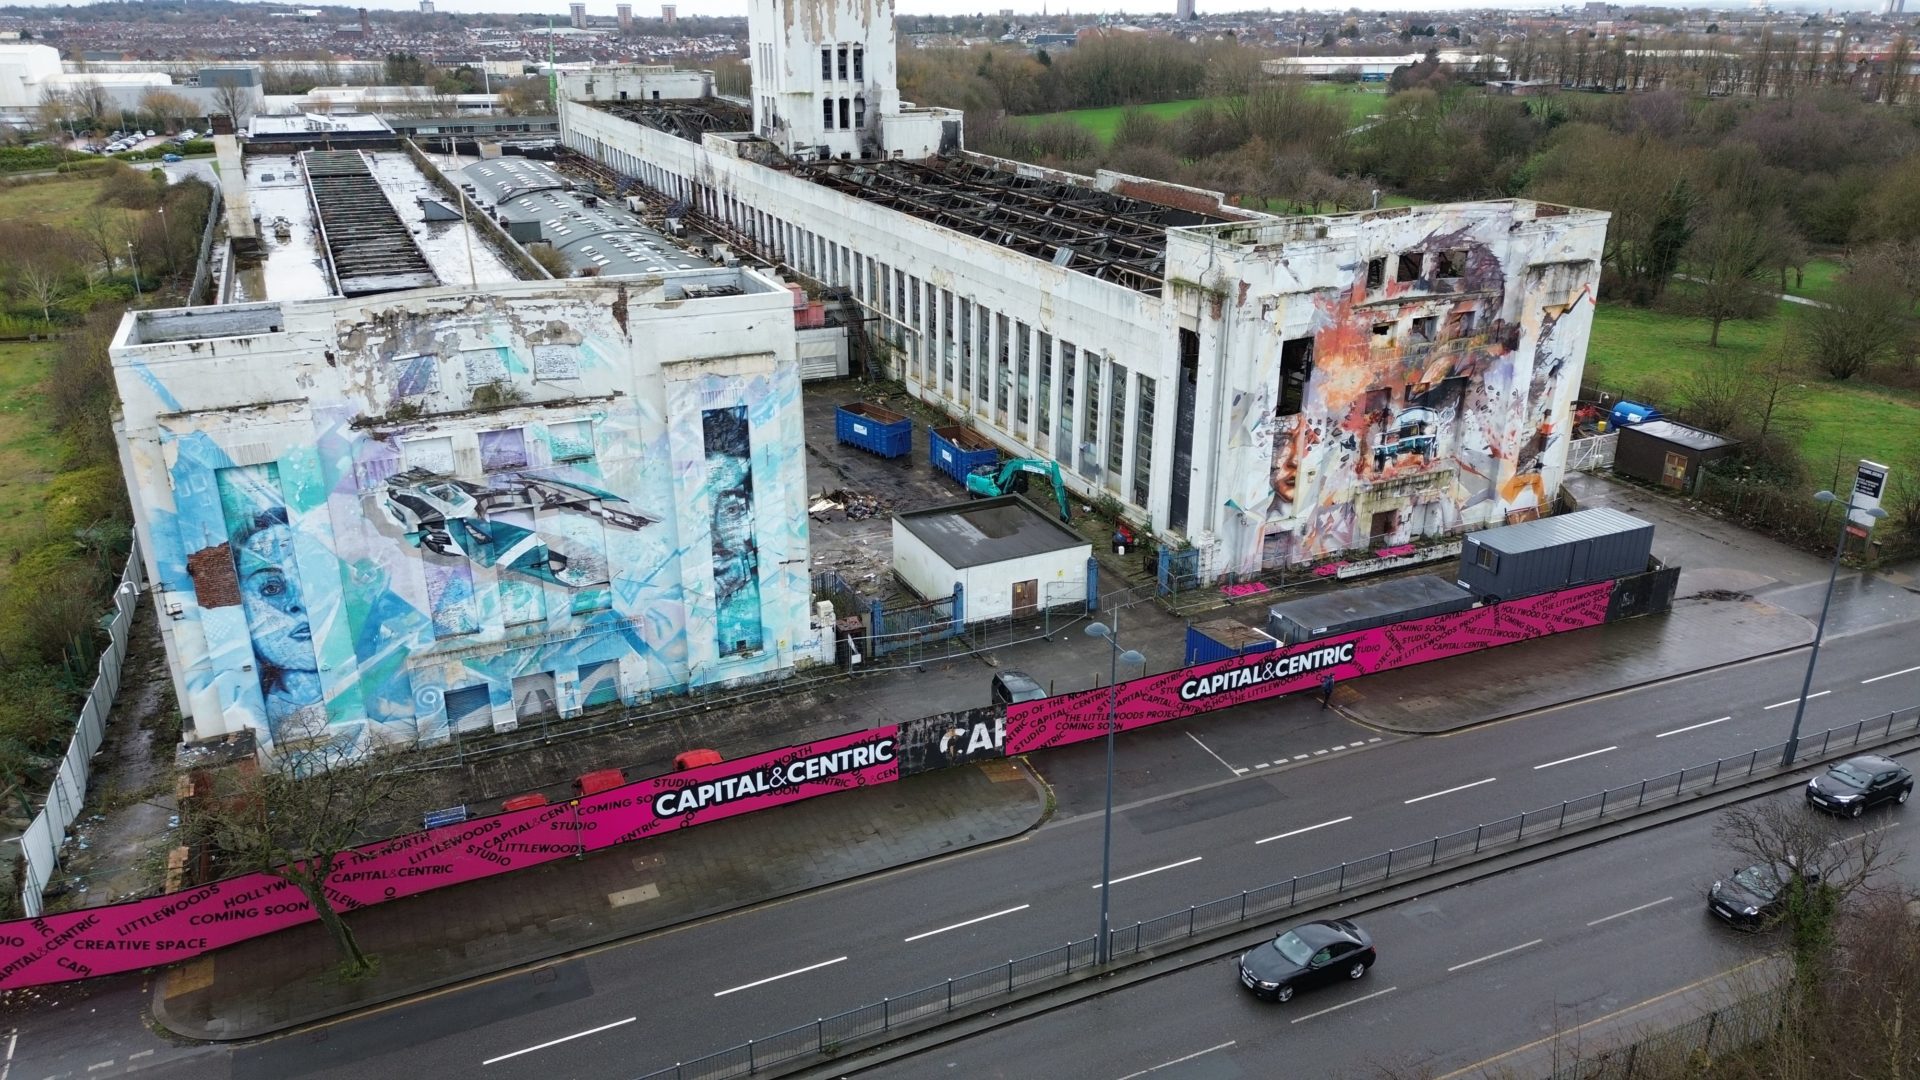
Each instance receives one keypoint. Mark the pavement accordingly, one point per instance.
(1741, 596)
(487, 927)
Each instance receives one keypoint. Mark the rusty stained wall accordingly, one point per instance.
(1396, 437)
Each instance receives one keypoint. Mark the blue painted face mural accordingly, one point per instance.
(261, 540)
(736, 559)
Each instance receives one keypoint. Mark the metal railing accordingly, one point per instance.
(829, 1035)
(1743, 1024)
(1593, 452)
(66, 797)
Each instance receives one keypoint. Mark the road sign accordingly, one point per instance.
(1868, 484)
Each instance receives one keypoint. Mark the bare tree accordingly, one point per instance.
(42, 261)
(166, 110)
(294, 822)
(235, 101)
(1729, 257)
(1860, 325)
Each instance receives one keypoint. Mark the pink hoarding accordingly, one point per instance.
(182, 925)
(1069, 718)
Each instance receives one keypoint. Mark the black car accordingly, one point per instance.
(1750, 898)
(1857, 783)
(1305, 956)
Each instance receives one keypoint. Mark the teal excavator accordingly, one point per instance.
(1011, 477)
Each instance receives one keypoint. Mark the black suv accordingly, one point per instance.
(1857, 783)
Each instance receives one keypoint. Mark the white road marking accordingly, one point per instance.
(1144, 873)
(1890, 674)
(1692, 727)
(1214, 756)
(13, 1040)
(1342, 746)
(782, 975)
(1791, 700)
(1309, 828)
(1496, 955)
(138, 1056)
(564, 1038)
(1319, 753)
(1300, 757)
(1575, 757)
(1630, 911)
(1178, 1060)
(1262, 765)
(1375, 739)
(969, 922)
(1858, 836)
(1451, 790)
(107, 1064)
(1344, 1004)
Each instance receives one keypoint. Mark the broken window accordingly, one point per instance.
(826, 63)
(1376, 273)
(859, 64)
(1424, 328)
(1453, 264)
(1296, 369)
(1409, 269)
(826, 113)
(1460, 324)
(860, 112)
(846, 113)
(1382, 334)
(843, 61)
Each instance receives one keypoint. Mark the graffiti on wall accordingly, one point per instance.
(368, 579)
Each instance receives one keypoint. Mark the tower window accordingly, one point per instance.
(859, 64)
(1296, 368)
(843, 61)
(1376, 273)
(846, 114)
(860, 112)
(826, 113)
(1409, 269)
(826, 63)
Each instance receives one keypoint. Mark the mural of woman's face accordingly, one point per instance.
(270, 594)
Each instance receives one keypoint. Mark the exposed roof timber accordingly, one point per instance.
(1109, 236)
(684, 118)
(369, 249)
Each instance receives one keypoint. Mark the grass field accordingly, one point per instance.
(1360, 104)
(58, 200)
(1633, 347)
(28, 450)
(1816, 279)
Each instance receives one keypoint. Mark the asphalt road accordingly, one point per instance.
(1192, 826)
(1463, 975)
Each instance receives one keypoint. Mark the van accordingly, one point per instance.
(1012, 687)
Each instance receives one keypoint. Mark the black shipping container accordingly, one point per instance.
(1330, 614)
(1553, 553)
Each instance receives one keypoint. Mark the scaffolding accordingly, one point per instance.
(369, 249)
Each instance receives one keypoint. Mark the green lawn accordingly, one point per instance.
(50, 201)
(1816, 279)
(29, 452)
(1634, 348)
(1360, 103)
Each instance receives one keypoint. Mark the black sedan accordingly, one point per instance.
(1750, 898)
(1859, 782)
(1305, 956)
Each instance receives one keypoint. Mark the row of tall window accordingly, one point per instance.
(843, 63)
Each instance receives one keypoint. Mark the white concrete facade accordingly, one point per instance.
(636, 82)
(395, 517)
(823, 74)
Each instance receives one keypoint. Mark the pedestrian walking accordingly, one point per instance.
(1326, 689)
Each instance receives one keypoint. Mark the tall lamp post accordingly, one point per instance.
(1874, 513)
(134, 261)
(1100, 630)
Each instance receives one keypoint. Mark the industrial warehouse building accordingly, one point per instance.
(1265, 390)
(390, 516)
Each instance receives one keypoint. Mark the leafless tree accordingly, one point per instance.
(1861, 324)
(295, 821)
(1728, 260)
(42, 261)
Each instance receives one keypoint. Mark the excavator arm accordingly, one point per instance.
(1000, 482)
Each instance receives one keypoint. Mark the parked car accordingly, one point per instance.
(1750, 898)
(170, 157)
(1306, 956)
(1850, 786)
(148, 134)
(1012, 686)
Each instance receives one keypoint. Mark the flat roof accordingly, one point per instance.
(369, 248)
(1367, 601)
(590, 231)
(1668, 431)
(1559, 529)
(989, 531)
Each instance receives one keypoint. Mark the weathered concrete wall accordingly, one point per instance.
(791, 84)
(379, 518)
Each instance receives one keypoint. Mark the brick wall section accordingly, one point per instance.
(214, 582)
(1168, 195)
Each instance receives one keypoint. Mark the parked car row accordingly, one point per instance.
(122, 141)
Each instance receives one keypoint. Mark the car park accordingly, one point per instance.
(1309, 955)
(1751, 898)
(1850, 787)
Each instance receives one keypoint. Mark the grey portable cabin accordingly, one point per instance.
(1310, 618)
(1553, 553)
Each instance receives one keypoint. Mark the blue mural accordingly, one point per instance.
(261, 540)
(736, 559)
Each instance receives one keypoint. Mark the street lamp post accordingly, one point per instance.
(134, 262)
(1100, 630)
(1820, 628)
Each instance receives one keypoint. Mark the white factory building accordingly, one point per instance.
(1261, 389)
(31, 74)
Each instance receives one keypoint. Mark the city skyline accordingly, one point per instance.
(604, 9)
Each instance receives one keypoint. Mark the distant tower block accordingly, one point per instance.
(366, 28)
(579, 15)
(625, 11)
(1184, 11)
(426, 7)
(669, 14)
